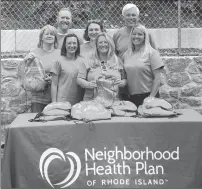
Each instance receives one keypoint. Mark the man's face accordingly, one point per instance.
(130, 17)
(64, 20)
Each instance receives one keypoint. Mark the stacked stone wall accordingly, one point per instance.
(182, 82)
(14, 98)
(181, 85)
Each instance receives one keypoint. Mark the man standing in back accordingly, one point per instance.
(64, 21)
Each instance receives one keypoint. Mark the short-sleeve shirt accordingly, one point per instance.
(139, 71)
(121, 40)
(67, 71)
(91, 73)
(86, 49)
(47, 59)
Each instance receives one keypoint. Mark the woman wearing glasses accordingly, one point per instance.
(102, 62)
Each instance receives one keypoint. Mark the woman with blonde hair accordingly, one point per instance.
(102, 62)
(143, 66)
(46, 52)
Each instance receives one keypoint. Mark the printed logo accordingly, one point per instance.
(54, 153)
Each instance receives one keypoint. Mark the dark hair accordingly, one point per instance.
(85, 35)
(64, 49)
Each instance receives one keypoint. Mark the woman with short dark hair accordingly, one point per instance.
(64, 72)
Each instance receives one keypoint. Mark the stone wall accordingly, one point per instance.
(182, 82)
(14, 99)
(181, 85)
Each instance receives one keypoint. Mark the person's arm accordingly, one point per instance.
(54, 87)
(115, 41)
(152, 41)
(156, 66)
(86, 84)
(156, 82)
(55, 73)
(81, 78)
(123, 82)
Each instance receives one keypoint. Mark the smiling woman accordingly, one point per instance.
(130, 15)
(143, 66)
(93, 29)
(46, 52)
(65, 71)
(103, 62)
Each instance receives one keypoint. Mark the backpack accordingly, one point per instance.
(123, 108)
(34, 75)
(90, 111)
(156, 107)
(54, 111)
(106, 92)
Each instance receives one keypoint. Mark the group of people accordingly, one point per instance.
(72, 66)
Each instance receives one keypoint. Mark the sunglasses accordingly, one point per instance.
(103, 66)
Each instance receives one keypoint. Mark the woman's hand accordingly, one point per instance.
(92, 85)
(120, 83)
(48, 78)
(30, 56)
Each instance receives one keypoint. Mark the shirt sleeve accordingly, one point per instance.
(82, 70)
(155, 60)
(56, 68)
(152, 42)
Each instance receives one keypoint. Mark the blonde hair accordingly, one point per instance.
(52, 31)
(130, 6)
(146, 50)
(95, 59)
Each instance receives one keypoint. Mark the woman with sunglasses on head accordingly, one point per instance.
(102, 62)
(93, 29)
(143, 66)
(64, 72)
(46, 52)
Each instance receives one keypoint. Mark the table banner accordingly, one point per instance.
(155, 153)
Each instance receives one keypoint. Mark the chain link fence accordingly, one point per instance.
(29, 14)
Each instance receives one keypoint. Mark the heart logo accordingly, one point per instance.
(54, 153)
